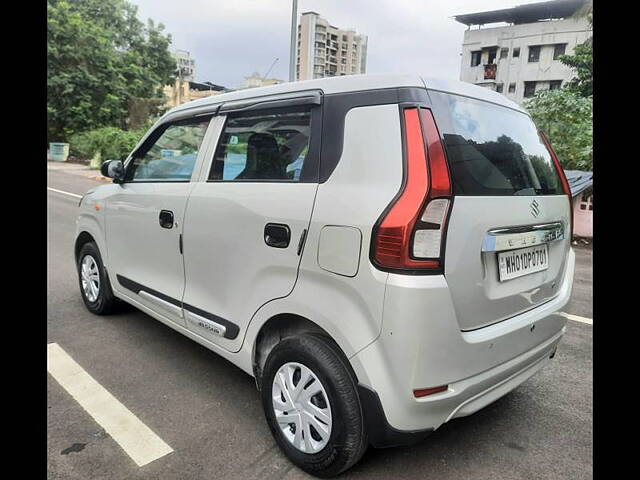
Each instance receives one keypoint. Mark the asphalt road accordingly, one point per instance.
(209, 412)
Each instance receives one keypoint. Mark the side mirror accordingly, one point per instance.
(113, 169)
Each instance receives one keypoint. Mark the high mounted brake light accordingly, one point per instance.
(410, 235)
(563, 178)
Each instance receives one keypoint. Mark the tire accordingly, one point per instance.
(104, 301)
(347, 440)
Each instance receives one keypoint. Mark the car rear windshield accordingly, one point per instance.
(493, 150)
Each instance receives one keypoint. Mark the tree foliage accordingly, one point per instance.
(99, 58)
(582, 62)
(110, 142)
(566, 115)
(567, 119)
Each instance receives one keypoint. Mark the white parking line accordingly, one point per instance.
(135, 438)
(65, 193)
(577, 318)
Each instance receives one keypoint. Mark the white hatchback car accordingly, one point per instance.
(382, 253)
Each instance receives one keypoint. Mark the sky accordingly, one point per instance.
(231, 39)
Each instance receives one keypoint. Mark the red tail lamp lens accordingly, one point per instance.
(427, 177)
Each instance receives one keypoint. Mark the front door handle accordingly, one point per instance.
(277, 235)
(166, 218)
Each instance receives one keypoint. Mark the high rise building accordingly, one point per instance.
(327, 51)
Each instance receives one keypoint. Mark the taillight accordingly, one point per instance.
(410, 235)
(563, 178)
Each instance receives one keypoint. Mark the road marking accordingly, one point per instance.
(135, 438)
(65, 193)
(577, 318)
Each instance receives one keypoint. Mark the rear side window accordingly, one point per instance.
(493, 150)
(265, 147)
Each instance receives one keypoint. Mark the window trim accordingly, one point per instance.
(153, 137)
(311, 167)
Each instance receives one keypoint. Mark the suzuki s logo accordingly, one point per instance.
(535, 208)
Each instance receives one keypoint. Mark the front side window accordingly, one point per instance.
(493, 150)
(172, 156)
(270, 146)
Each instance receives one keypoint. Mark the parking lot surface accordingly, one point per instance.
(209, 412)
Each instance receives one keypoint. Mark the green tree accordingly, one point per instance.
(566, 115)
(582, 63)
(101, 60)
(567, 119)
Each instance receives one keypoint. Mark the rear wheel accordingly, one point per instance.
(94, 282)
(311, 403)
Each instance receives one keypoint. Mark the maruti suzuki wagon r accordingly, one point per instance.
(382, 253)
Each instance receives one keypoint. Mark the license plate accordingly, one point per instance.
(523, 261)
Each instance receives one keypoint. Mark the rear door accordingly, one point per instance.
(247, 217)
(508, 234)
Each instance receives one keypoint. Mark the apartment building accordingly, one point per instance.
(327, 51)
(185, 64)
(522, 57)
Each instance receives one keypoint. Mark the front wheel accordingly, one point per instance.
(311, 404)
(94, 282)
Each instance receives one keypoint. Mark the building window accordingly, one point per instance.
(555, 84)
(516, 52)
(534, 54)
(586, 202)
(493, 51)
(559, 49)
(475, 58)
(499, 87)
(529, 89)
(512, 88)
(504, 52)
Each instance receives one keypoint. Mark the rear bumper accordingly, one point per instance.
(461, 399)
(421, 346)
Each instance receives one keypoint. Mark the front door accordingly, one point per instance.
(245, 220)
(145, 218)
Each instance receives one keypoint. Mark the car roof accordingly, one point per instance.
(354, 83)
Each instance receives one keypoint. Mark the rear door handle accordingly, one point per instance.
(277, 235)
(166, 218)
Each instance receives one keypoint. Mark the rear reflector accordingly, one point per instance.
(423, 392)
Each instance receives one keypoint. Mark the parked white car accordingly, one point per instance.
(382, 253)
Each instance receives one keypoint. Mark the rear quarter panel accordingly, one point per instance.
(367, 177)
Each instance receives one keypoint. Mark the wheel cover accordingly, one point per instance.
(90, 278)
(301, 407)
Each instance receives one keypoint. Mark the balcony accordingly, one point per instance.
(490, 70)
